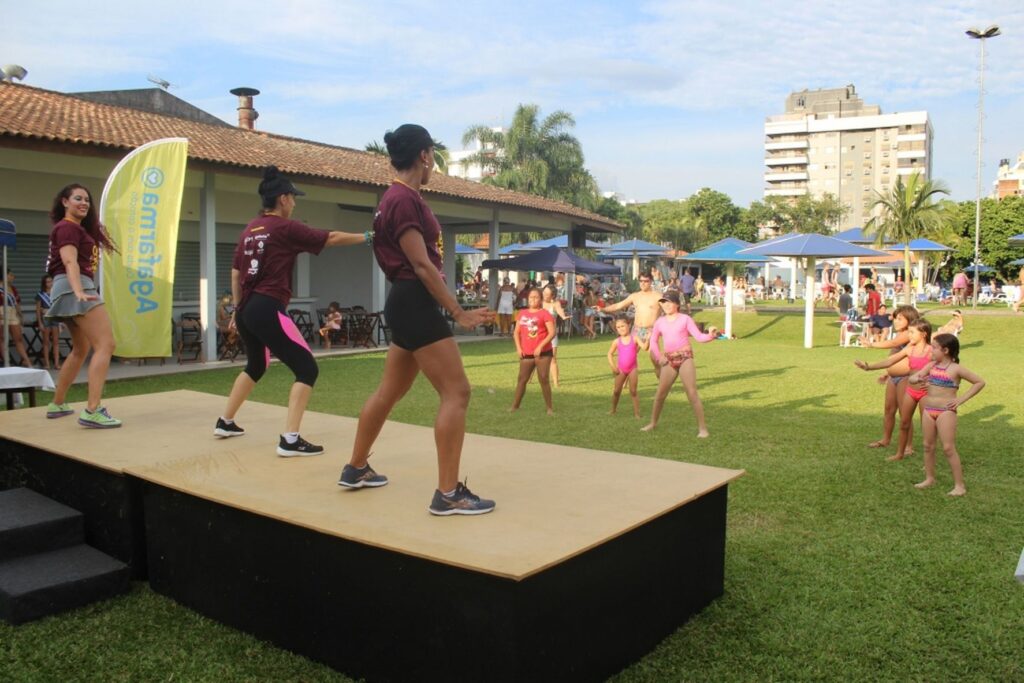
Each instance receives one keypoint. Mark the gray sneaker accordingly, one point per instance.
(357, 478)
(462, 502)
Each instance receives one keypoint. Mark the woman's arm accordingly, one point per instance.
(560, 311)
(415, 250)
(625, 303)
(337, 238)
(900, 339)
(515, 337)
(694, 331)
(69, 257)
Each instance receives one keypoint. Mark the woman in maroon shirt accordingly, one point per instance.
(261, 287)
(406, 239)
(75, 242)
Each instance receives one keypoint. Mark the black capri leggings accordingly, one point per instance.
(265, 328)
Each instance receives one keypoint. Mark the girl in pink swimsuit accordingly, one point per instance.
(943, 375)
(674, 330)
(918, 353)
(625, 347)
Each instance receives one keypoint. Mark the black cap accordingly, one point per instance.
(275, 183)
(670, 295)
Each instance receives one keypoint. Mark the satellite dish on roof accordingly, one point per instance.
(166, 85)
(10, 72)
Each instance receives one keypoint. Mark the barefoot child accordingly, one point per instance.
(943, 375)
(674, 330)
(917, 354)
(894, 380)
(626, 346)
(535, 328)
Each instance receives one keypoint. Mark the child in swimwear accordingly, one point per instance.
(674, 330)
(917, 353)
(943, 375)
(626, 346)
(894, 380)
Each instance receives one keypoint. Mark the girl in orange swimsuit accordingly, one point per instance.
(943, 375)
(918, 353)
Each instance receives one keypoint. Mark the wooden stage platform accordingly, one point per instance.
(588, 561)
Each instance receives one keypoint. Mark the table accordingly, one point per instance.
(14, 380)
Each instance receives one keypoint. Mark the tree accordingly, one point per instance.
(713, 214)
(609, 207)
(441, 153)
(1000, 220)
(666, 220)
(535, 156)
(909, 211)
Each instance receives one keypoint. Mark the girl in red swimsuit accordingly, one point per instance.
(942, 376)
(918, 353)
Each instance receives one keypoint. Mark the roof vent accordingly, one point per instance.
(10, 72)
(246, 114)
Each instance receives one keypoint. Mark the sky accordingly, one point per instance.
(668, 96)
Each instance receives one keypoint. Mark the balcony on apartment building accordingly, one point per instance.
(785, 191)
(787, 176)
(787, 160)
(775, 144)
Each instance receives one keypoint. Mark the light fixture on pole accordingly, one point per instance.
(982, 36)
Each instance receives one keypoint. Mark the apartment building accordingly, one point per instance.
(1010, 179)
(460, 166)
(829, 141)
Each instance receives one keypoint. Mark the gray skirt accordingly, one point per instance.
(63, 302)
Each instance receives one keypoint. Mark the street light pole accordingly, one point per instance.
(981, 36)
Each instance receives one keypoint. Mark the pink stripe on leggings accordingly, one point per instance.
(288, 325)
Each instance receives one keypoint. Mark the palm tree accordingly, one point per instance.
(909, 211)
(440, 153)
(535, 156)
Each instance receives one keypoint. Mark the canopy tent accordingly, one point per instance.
(1017, 262)
(561, 241)
(465, 250)
(1017, 240)
(981, 268)
(551, 260)
(7, 239)
(809, 247)
(634, 250)
(725, 251)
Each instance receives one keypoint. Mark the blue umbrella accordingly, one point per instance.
(855, 235)
(465, 250)
(979, 268)
(1018, 262)
(811, 247)
(635, 245)
(725, 251)
(921, 244)
(1017, 240)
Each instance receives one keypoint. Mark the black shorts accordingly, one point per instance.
(687, 297)
(543, 354)
(413, 316)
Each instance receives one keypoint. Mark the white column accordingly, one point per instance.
(378, 283)
(302, 274)
(728, 300)
(492, 253)
(448, 245)
(208, 265)
(792, 279)
(920, 274)
(855, 280)
(809, 304)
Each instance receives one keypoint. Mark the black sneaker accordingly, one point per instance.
(462, 502)
(357, 478)
(225, 429)
(300, 447)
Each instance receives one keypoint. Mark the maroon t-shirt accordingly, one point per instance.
(266, 251)
(400, 209)
(66, 233)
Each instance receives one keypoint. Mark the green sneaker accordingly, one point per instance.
(58, 410)
(98, 419)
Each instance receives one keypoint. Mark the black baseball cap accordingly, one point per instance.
(276, 183)
(670, 295)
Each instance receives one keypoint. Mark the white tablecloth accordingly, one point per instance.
(22, 378)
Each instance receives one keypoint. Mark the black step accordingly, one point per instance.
(31, 523)
(39, 585)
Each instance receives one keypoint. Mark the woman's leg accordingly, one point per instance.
(400, 370)
(928, 433)
(96, 326)
(946, 424)
(543, 375)
(525, 372)
(441, 364)
(688, 375)
(554, 367)
(73, 363)
(665, 379)
(18, 337)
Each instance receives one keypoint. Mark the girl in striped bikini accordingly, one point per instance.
(943, 375)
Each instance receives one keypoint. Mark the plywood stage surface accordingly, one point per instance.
(553, 502)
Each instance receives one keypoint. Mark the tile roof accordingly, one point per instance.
(33, 113)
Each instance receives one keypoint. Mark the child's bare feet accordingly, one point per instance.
(612, 411)
(926, 484)
(878, 444)
(636, 416)
(513, 409)
(551, 411)
(908, 452)
(703, 434)
(648, 427)
(896, 456)
(957, 491)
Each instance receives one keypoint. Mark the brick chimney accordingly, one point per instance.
(246, 114)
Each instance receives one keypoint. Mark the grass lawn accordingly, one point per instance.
(836, 567)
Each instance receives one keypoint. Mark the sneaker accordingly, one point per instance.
(462, 502)
(98, 419)
(300, 447)
(356, 478)
(58, 410)
(226, 429)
